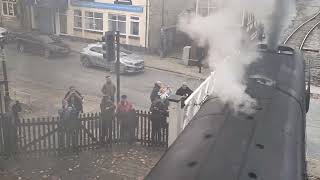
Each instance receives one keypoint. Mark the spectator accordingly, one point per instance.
(16, 108)
(201, 54)
(69, 128)
(109, 89)
(124, 114)
(107, 115)
(74, 99)
(159, 114)
(185, 92)
(155, 91)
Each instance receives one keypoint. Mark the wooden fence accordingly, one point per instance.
(54, 136)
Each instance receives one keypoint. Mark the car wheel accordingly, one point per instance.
(20, 48)
(86, 62)
(47, 53)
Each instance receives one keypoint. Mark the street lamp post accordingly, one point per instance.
(118, 65)
(162, 15)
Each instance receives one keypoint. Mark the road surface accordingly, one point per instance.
(42, 83)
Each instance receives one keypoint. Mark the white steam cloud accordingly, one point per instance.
(229, 49)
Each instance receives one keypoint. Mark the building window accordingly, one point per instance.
(94, 21)
(118, 23)
(9, 7)
(77, 18)
(134, 26)
(206, 7)
(63, 19)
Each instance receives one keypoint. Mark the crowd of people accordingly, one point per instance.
(72, 106)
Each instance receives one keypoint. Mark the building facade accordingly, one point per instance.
(139, 21)
(90, 19)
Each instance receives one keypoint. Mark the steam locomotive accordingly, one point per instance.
(221, 144)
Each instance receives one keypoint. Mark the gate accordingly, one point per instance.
(54, 136)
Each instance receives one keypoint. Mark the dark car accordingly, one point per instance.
(46, 45)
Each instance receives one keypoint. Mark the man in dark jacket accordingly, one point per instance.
(155, 91)
(159, 115)
(185, 92)
(107, 115)
(16, 108)
(69, 128)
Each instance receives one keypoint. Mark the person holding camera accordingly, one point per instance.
(74, 99)
(185, 92)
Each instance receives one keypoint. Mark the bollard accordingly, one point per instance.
(175, 118)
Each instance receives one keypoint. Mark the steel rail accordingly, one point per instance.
(301, 25)
(307, 35)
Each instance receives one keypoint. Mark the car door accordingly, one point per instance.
(24, 41)
(39, 46)
(95, 54)
(33, 44)
(100, 60)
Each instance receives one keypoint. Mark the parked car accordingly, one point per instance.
(92, 55)
(46, 45)
(3, 36)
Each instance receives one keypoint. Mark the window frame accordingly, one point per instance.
(134, 19)
(93, 18)
(7, 3)
(77, 28)
(117, 21)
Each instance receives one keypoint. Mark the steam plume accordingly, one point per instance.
(283, 12)
(230, 50)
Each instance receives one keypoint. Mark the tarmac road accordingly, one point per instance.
(42, 82)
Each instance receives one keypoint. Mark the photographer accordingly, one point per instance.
(185, 92)
(74, 99)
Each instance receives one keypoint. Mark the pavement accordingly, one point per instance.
(168, 64)
(119, 163)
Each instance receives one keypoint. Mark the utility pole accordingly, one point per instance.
(118, 65)
(5, 80)
(162, 16)
(110, 39)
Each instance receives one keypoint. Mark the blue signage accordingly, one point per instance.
(97, 5)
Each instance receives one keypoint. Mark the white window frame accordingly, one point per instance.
(132, 20)
(12, 3)
(209, 6)
(66, 15)
(117, 22)
(77, 16)
(94, 20)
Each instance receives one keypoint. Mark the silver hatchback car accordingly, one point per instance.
(92, 55)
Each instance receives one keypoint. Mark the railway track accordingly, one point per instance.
(297, 40)
(299, 36)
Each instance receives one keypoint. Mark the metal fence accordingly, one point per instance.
(54, 136)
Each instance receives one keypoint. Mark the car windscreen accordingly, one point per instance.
(96, 49)
(125, 52)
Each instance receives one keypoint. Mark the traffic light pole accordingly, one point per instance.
(118, 65)
(5, 80)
